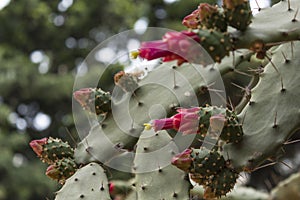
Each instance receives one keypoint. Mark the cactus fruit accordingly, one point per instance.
(94, 100)
(50, 150)
(216, 43)
(62, 169)
(89, 182)
(238, 13)
(206, 162)
(206, 16)
(221, 183)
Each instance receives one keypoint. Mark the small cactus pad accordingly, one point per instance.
(62, 169)
(88, 183)
(211, 17)
(50, 150)
(94, 100)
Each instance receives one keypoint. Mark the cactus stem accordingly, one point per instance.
(295, 16)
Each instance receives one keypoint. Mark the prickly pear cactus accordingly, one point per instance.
(253, 129)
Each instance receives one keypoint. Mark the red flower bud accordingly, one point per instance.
(53, 172)
(37, 145)
(183, 160)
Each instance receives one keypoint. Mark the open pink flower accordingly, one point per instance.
(183, 160)
(37, 145)
(173, 46)
(185, 121)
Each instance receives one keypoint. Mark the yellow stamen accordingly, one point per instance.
(134, 54)
(147, 126)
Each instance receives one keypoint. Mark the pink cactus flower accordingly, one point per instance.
(186, 121)
(183, 160)
(37, 145)
(111, 187)
(173, 46)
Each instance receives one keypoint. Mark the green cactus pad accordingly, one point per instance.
(272, 115)
(56, 149)
(217, 44)
(89, 183)
(164, 181)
